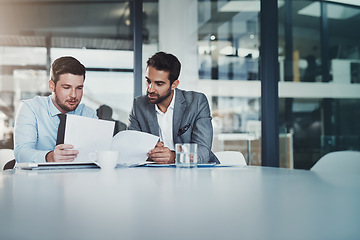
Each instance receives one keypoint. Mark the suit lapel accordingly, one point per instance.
(152, 119)
(179, 108)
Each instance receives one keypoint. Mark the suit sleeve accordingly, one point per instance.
(202, 132)
(133, 121)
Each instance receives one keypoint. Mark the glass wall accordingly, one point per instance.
(228, 48)
(318, 88)
(34, 34)
(318, 76)
(342, 132)
(218, 44)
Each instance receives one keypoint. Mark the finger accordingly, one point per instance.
(73, 156)
(164, 157)
(159, 150)
(68, 152)
(160, 144)
(152, 151)
(162, 161)
(65, 158)
(158, 157)
(64, 146)
(149, 152)
(65, 155)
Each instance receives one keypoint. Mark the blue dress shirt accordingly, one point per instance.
(36, 128)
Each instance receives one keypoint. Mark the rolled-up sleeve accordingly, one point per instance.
(25, 136)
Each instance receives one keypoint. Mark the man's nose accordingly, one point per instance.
(72, 93)
(151, 87)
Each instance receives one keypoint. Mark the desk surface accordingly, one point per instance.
(169, 203)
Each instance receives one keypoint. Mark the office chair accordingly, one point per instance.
(7, 160)
(231, 158)
(339, 162)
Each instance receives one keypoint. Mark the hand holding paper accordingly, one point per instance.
(89, 135)
(133, 146)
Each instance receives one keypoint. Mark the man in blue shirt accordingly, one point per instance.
(37, 120)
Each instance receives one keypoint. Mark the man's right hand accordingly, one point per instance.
(62, 153)
(161, 154)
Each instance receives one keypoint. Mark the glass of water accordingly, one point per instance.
(186, 155)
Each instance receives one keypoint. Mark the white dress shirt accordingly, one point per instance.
(165, 121)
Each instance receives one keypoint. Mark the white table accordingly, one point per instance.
(169, 203)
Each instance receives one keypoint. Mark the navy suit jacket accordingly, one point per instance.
(191, 121)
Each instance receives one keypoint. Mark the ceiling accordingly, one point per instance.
(85, 24)
(107, 24)
(96, 24)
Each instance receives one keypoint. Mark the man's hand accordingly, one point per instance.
(62, 153)
(161, 154)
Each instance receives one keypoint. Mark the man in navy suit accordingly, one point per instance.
(175, 115)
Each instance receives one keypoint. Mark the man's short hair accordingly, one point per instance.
(104, 112)
(166, 62)
(66, 65)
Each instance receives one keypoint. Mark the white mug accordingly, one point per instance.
(105, 159)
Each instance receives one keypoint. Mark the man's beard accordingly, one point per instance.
(160, 99)
(64, 107)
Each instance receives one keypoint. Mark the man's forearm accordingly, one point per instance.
(30, 155)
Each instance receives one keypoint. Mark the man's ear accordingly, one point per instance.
(51, 86)
(175, 84)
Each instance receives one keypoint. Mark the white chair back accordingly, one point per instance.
(339, 162)
(5, 156)
(230, 158)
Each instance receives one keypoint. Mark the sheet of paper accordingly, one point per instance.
(133, 146)
(88, 135)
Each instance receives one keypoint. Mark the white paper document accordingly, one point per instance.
(133, 146)
(88, 135)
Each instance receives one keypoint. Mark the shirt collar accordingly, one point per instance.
(172, 104)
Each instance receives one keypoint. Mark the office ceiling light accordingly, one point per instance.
(333, 11)
(243, 6)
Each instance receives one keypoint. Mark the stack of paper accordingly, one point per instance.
(89, 135)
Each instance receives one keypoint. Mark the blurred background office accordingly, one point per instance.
(218, 44)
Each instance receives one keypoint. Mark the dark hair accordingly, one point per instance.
(166, 62)
(104, 112)
(66, 65)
